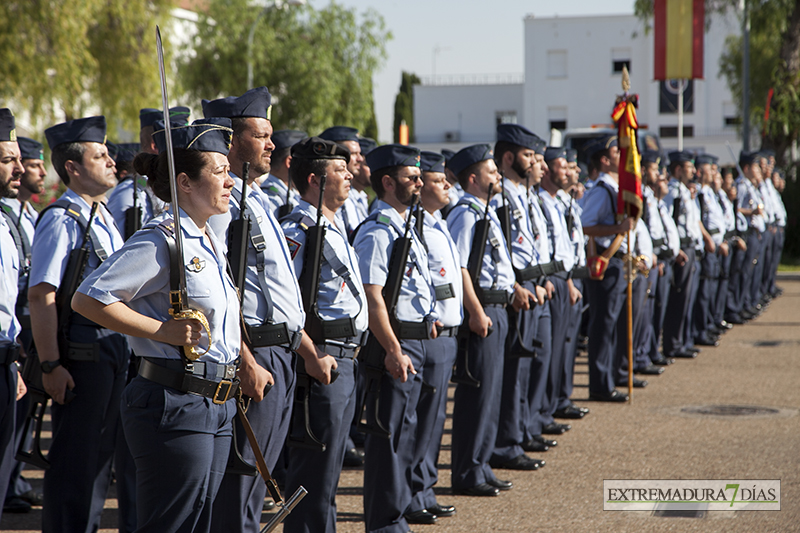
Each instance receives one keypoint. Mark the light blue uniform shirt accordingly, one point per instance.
(770, 210)
(121, 199)
(454, 193)
(577, 238)
(587, 186)
(354, 211)
(749, 198)
(58, 233)
(555, 213)
(673, 237)
(445, 265)
(9, 278)
(278, 266)
(373, 245)
(600, 209)
(689, 216)
(497, 273)
(523, 242)
(336, 298)
(713, 215)
(138, 275)
(651, 216)
(727, 210)
(780, 208)
(26, 225)
(643, 244)
(275, 191)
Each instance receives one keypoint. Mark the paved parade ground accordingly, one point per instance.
(681, 426)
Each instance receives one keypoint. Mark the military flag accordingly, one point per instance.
(629, 200)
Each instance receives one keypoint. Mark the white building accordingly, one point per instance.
(572, 73)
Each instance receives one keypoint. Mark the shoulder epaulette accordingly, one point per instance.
(475, 207)
(383, 219)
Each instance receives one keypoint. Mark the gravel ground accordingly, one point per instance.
(649, 438)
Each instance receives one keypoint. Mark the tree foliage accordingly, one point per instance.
(62, 59)
(317, 64)
(404, 106)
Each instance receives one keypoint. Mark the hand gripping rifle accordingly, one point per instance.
(461, 373)
(286, 208)
(300, 433)
(32, 370)
(180, 310)
(133, 215)
(373, 354)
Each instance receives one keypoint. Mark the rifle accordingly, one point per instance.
(373, 354)
(503, 213)
(300, 433)
(461, 373)
(32, 370)
(286, 208)
(133, 215)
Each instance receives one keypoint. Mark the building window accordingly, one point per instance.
(557, 117)
(620, 57)
(668, 96)
(505, 117)
(556, 63)
(671, 132)
(730, 115)
(619, 63)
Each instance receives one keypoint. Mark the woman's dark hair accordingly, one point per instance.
(190, 162)
(300, 169)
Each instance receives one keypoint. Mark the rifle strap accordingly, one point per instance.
(74, 210)
(20, 240)
(261, 464)
(260, 246)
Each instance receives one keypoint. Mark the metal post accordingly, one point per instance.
(745, 76)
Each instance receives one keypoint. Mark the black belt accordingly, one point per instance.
(448, 332)
(444, 292)
(561, 275)
(657, 243)
(490, 297)
(580, 273)
(9, 354)
(274, 335)
(713, 231)
(666, 255)
(412, 330)
(687, 241)
(698, 254)
(340, 350)
(530, 272)
(174, 374)
(553, 267)
(729, 235)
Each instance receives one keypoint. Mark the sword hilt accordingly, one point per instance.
(187, 314)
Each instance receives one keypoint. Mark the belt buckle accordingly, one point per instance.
(216, 398)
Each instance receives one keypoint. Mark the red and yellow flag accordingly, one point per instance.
(678, 35)
(629, 200)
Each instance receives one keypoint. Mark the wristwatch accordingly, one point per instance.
(49, 366)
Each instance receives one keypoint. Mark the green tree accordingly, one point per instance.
(318, 64)
(62, 58)
(404, 106)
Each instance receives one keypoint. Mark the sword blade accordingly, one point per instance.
(173, 185)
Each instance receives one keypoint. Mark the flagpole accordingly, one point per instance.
(630, 316)
(680, 114)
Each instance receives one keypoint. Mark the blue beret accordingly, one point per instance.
(287, 138)
(8, 132)
(90, 129)
(572, 155)
(748, 158)
(448, 154)
(393, 155)
(431, 162)
(317, 148)
(340, 133)
(469, 156)
(367, 145)
(256, 103)
(518, 135)
(205, 135)
(680, 157)
(703, 159)
(126, 151)
(177, 115)
(767, 153)
(555, 152)
(30, 149)
(651, 156)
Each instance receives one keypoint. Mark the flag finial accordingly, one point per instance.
(626, 79)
